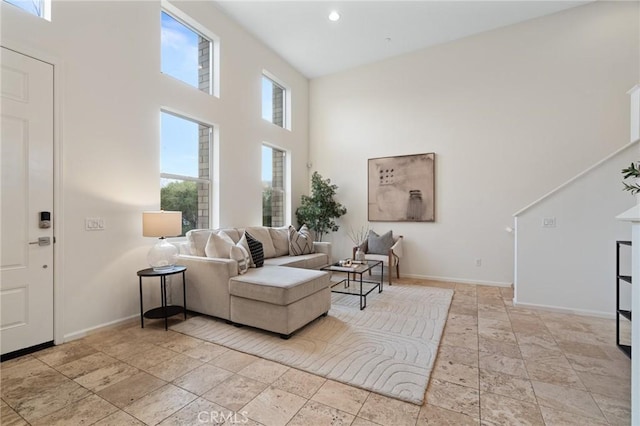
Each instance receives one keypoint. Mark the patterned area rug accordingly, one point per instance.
(388, 348)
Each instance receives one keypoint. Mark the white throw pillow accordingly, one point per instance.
(218, 245)
(240, 255)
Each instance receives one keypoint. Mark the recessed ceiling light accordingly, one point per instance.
(334, 16)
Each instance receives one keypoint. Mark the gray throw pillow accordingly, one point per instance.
(379, 244)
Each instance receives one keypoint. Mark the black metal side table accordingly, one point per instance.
(163, 311)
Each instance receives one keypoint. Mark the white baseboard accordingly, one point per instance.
(561, 310)
(457, 280)
(83, 333)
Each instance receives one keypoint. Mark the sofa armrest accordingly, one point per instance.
(212, 265)
(208, 284)
(323, 247)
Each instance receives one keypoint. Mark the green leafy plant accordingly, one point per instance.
(319, 210)
(632, 171)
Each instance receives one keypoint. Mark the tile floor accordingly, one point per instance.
(497, 365)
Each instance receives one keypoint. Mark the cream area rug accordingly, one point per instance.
(388, 348)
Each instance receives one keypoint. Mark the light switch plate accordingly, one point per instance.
(549, 222)
(94, 224)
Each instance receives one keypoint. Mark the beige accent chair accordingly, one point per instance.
(390, 260)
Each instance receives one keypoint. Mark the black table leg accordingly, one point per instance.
(163, 284)
(141, 310)
(184, 295)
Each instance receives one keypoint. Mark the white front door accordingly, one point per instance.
(26, 173)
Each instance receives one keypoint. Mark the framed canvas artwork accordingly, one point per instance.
(402, 188)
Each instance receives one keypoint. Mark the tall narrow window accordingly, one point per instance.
(273, 102)
(186, 53)
(41, 8)
(184, 169)
(273, 190)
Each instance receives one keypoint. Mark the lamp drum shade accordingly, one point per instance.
(161, 224)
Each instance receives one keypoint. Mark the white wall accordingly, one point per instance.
(510, 114)
(112, 93)
(572, 266)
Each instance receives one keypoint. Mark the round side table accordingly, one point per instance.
(165, 311)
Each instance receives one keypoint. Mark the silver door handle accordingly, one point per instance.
(42, 241)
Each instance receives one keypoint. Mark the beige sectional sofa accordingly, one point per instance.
(285, 294)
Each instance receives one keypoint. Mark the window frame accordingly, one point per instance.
(286, 183)
(286, 99)
(214, 48)
(213, 134)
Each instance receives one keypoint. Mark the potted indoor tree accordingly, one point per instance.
(320, 210)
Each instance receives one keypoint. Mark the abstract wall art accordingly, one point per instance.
(402, 188)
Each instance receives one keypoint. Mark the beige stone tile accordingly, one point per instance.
(604, 367)
(181, 343)
(562, 418)
(460, 328)
(8, 417)
(462, 320)
(127, 349)
(264, 371)
(464, 339)
(611, 386)
(65, 353)
(149, 359)
(173, 368)
(430, 415)
(583, 349)
(341, 396)
(359, 421)
(500, 410)
(299, 382)
(202, 379)
(45, 402)
(553, 369)
(159, 404)
(85, 411)
(104, 377)
(201, 412)
(463, 309)
(527, 325)
(616, 411)
(503, 364)
(314, 413)
(235, 392)
(233, 360)
(131, 389)
(274, 407)
(497, 335)
(494, 324)
(494, 312)
(87, 364)
(510, 350)
(386, 411)
(566, 399)
(454, 397)
(28, 378)
(507, 385)
(458, 355)
(534, 346)
(17, 362)
(119, 418)
(455, 373)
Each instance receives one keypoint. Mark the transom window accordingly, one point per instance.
(186, 53)
(273, 186)
(41, 8)
(185, 178)
(274, 102)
